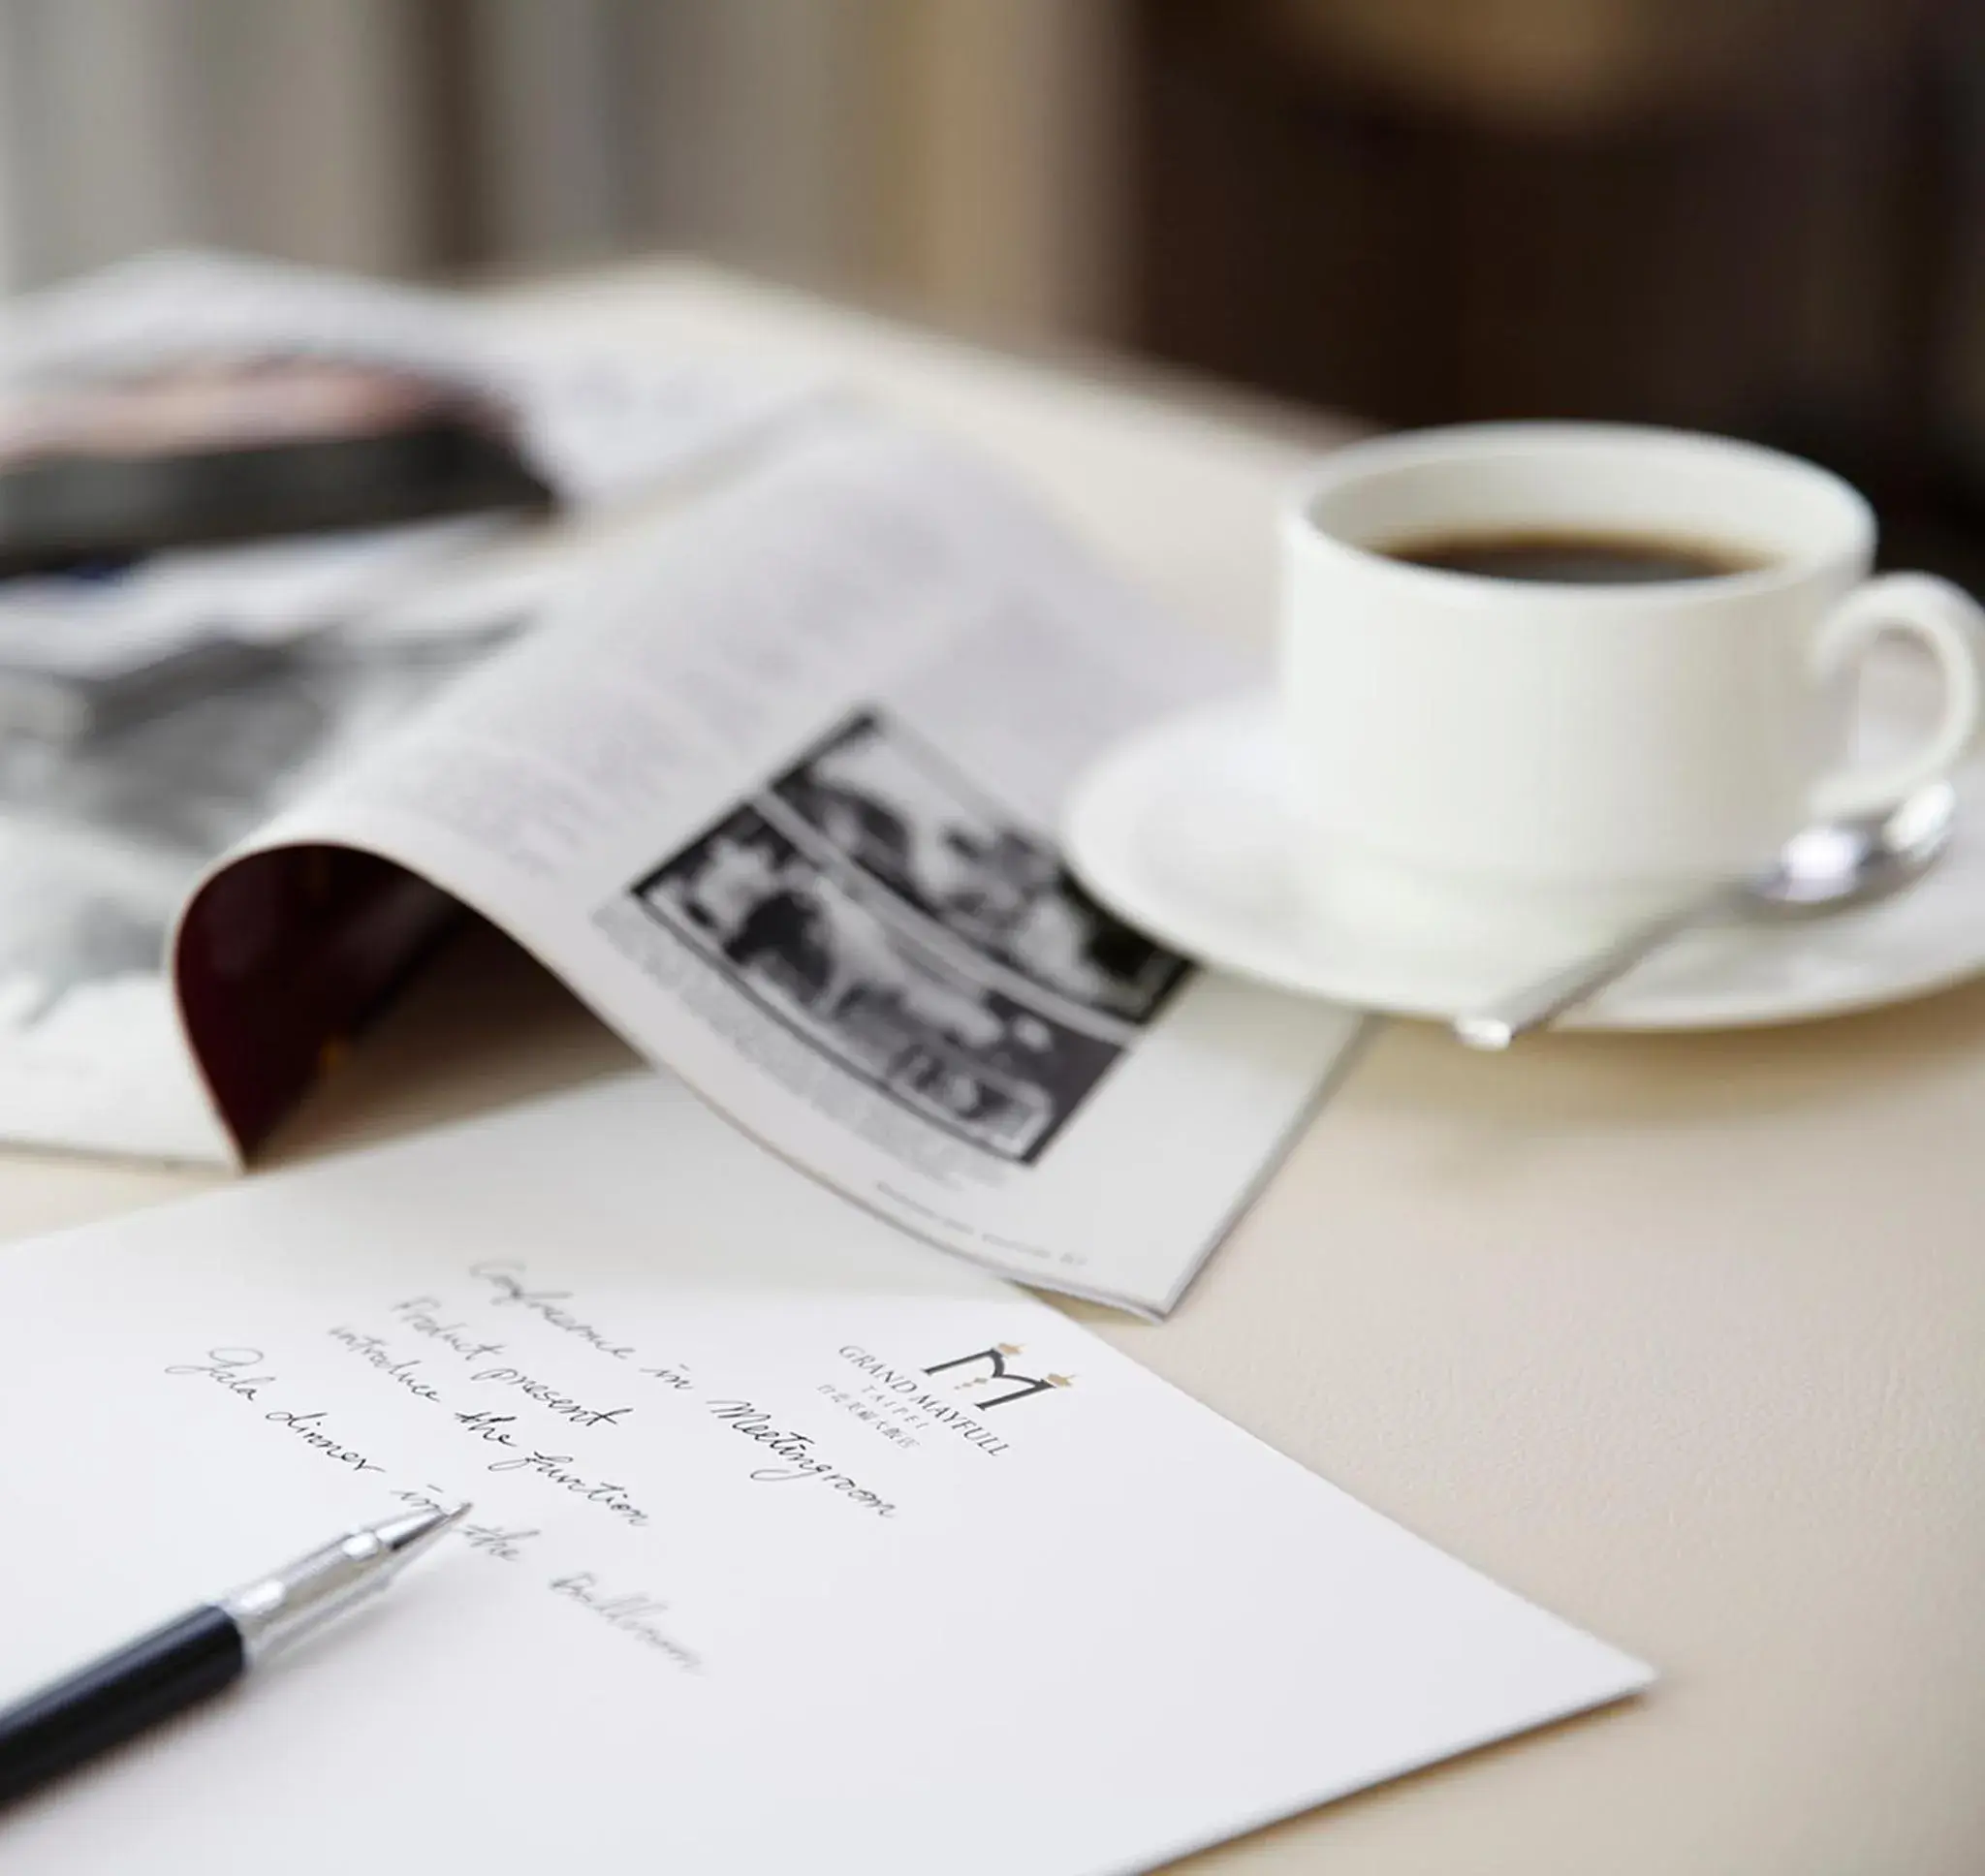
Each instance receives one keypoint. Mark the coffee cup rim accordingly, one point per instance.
(1371, 457)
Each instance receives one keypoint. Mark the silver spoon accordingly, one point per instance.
(1823, 869)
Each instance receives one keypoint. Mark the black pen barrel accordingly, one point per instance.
(105, 1703)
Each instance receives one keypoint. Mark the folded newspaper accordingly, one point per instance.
(773, 791)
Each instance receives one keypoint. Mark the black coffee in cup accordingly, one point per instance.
(1573, 558)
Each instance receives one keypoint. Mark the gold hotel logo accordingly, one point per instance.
(991, 1370)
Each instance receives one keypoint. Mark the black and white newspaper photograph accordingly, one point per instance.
(823, 954)
(888, 802)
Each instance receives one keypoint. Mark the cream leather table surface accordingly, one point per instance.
(1683, 1337)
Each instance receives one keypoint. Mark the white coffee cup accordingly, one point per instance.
(1530, 764)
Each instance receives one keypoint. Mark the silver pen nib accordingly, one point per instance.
(405, 1538)
(292, 1602)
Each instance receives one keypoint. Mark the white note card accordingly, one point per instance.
(796, 1544)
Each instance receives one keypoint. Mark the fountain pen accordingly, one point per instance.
(109, 1701)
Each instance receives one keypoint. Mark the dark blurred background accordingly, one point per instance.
(1760, 216)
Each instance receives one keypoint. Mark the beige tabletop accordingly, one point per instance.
(1682, 1337)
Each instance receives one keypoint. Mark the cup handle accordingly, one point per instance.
(1951, 625)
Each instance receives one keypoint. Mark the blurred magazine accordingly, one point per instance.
(772, 786)
(158, 705)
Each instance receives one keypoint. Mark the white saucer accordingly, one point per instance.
(1183, 832)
